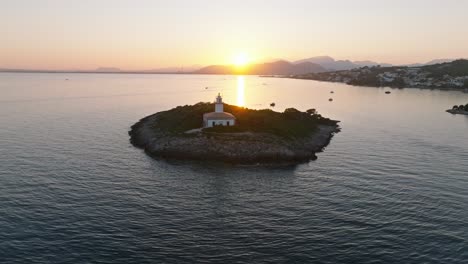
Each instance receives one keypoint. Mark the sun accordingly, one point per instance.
(241, 59)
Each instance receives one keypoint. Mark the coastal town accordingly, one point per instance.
(452, 75)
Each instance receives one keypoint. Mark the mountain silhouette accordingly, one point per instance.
(331, 64)
(272, 68)
(107, 69)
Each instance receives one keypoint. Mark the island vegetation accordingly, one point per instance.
(459, 109)
(450, 75)
(259, 136)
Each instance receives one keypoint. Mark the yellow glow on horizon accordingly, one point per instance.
(241, 59)
(240, 91)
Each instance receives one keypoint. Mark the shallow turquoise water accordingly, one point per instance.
(392, 187)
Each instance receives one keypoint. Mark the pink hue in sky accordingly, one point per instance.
(135, 35)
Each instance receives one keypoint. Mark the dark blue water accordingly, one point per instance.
(391, 188)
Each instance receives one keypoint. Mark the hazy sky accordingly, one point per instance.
(148, 34)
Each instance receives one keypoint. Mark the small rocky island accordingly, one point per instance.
(459, 109)
(233, 134)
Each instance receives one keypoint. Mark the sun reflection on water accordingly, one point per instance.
(240, 91)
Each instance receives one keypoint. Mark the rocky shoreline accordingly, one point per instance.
(237, 148)
(457, 112)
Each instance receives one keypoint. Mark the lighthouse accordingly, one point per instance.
(219, 108)
(218, 117)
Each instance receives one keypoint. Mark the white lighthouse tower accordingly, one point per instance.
(218, 117)
(219, 104)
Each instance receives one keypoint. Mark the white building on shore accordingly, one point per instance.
(218, 117)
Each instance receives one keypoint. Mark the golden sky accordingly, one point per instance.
(150, 34)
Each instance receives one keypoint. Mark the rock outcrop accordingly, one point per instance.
(457, 112)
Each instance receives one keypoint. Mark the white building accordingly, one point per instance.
(218, 117)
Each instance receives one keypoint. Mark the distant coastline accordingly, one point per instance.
(444, 76)
(321, 68)
(90, 71)
(451, 75)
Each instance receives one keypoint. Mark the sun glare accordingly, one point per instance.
(240, 91)
(241, 60)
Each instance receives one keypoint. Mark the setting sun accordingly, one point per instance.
(241, 59)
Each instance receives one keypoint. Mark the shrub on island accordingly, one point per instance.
(460, 107)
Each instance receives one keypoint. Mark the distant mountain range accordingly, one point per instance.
(271, 68)
(172, 70)
(107, 69)
(159, 70)
(331, 64)
(278, 67)
(310, 65)
(432, 62)
(283, 67)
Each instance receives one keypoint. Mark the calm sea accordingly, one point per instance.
(392, 187)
